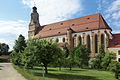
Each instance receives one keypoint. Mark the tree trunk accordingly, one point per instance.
(46, 71)
(59, 68)
(70, 68)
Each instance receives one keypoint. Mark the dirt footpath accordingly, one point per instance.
(7, 72)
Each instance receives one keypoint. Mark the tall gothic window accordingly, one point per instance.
(74, 41)
(79, 41)
(88, 42)
(119, 52)
(57, 40)
(63, 39)
(102, 39)
(118, 59)
(96, 44)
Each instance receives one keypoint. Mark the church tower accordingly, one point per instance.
(34, 23)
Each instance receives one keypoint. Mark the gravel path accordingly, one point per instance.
(7, 72)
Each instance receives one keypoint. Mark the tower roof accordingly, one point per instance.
(34, 9)
(82, 24)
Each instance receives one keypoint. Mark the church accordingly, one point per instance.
(91, 30)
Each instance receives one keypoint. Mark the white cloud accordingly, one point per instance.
(55, 10)
(114, 6)
(10, 30)
(116, 15)
(112, 13)
(116, 31)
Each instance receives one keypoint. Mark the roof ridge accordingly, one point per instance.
(72, 19)
(86, 23)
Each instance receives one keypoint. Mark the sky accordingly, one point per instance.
(15, 14)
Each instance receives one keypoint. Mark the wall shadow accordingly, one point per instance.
(1, 66)
(71, 77)
(67, 76)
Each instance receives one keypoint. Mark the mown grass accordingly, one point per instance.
(66, 74)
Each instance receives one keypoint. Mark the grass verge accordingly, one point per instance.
(26, 73)
(65, 74)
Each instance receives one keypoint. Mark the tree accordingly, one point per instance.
(115, 67)
(47, 52)
(4, 48)
(96, 63)
(16, 58)
(117, 70)
(60, 61)
(20, 44)
(29, 54)
(81, 55)
(18, 48)
(108, 58)
(70, 62)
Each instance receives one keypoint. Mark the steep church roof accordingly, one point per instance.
(115, 42)
(82, 24)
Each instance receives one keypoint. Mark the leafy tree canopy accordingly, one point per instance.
(4, 48)
(81, 55)
(20, 44)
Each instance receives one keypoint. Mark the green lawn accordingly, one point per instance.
(65, 74)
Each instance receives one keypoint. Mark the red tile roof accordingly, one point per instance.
(87, 23)
(115, 42)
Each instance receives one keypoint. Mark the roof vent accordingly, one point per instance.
(73, 24)
(86, 27)
(50, 29)
(88, 18)
(59, 32)
(61, 23)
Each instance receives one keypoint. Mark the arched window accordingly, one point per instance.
(57, 40)
(79, 41)
(118, 59)
(74, 41)
(88, 42)
(96, 44)
(102, 39)
(119, 52)
(63, 39)
(51, 40)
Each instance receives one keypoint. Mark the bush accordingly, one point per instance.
(29, 55)
(109, 57)
(16, 58)
(96, 63)
(81, 56)
(115, 67)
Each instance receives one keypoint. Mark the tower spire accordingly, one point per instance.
(34, 9)
(34, 22)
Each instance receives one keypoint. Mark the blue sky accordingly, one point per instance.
(15, 14)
